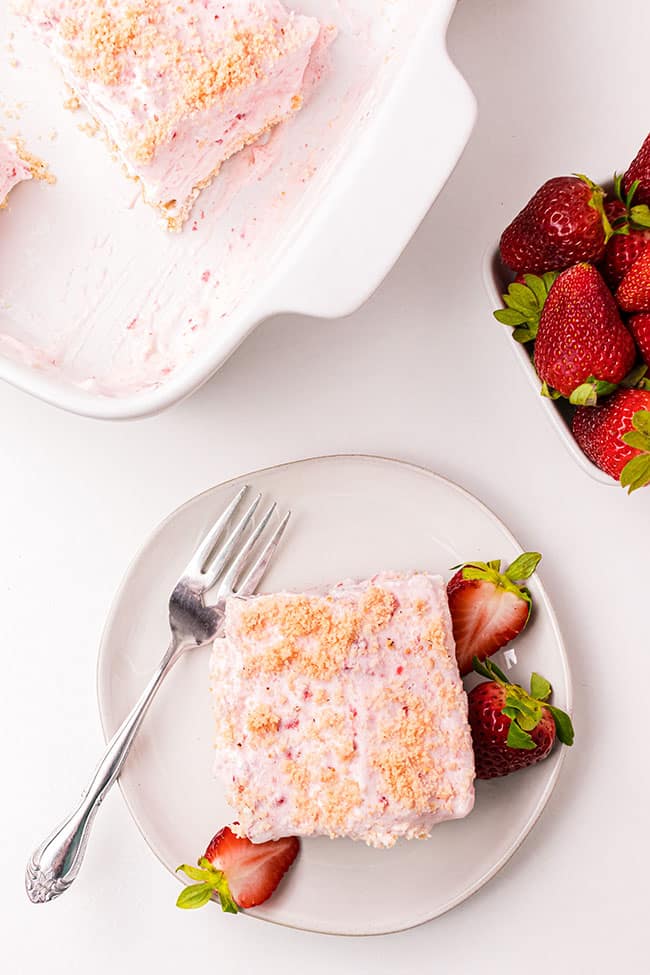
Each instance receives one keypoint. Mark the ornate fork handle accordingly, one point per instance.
(55, 864)
(228, 555)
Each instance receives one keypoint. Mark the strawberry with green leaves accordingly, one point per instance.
(581, 339)
(616, 436)
(639, 171)
(511, 728)
(488, 607)
(630, 221)
(241, 873)
(583, 349)
(524, 302)
(563, 223)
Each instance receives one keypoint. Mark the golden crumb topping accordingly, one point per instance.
(348, 713)
(109, 44)
(314, 635)
(338, 795)
(411, 770)
(406, 764)
(262, 721)
(436, 635)
(37, 167)
(309, 635)
(99, 41)
(378, 607)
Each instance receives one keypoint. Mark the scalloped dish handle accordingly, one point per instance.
(332, 275)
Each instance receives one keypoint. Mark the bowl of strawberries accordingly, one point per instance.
(572, 277)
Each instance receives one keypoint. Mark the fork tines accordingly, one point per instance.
(228, 560)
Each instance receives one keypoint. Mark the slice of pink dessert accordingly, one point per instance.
(13, 169)
(178, 87)
(343, 713)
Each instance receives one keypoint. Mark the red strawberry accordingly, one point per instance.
(634, 290)
(621, 253)
(564, 222)
(581, 339)
(626, 245)
(639, 169)
(616, 436)
(242, 873)
(488, 608)
(639, 325)
(512, 729)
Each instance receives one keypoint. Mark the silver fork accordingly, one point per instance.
(55, 864)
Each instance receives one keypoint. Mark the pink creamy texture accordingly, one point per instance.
(343, 713)
(124, 308)
(179, 88)
(13, 170)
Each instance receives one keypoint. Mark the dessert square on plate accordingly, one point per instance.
(178, 87)
(342, 713)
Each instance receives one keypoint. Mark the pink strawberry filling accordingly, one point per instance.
(342, 713)
(179, 88)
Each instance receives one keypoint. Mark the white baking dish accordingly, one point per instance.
(354, 174)
(559, 412)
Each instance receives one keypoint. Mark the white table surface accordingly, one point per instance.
(419, 373)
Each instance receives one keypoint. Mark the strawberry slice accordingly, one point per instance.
(242, 873)
(488, 607)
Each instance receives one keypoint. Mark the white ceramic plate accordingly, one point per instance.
(127, 318)
(352, 516)
(558, 411)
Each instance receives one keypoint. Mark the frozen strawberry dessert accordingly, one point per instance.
(13, 169)
(179, 87)
(342, 713)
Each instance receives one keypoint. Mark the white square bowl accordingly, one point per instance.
(558, 412)
(388, 126)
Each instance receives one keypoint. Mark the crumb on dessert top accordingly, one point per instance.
(315, 635)
(103, 41)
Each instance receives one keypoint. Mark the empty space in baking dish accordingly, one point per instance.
(94, 293)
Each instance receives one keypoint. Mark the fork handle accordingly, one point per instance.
(55, 864)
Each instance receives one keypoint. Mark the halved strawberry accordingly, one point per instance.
(242, 873)
(488, 607)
